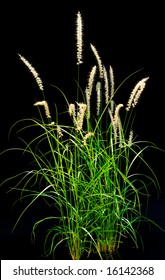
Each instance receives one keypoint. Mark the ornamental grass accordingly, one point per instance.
(86, 170)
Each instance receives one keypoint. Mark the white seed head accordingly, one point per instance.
(80, 115)
(98, 92)
(136, 93)
(112, 83)
(116, 116)
(116, 125)
(91, 79)
(98, 60)
(59, 131)
(78, 120)
(89, 134)
(88, 90)
(72, 110)
(130, 139)
(141, 88)
(33, 71)
(106, 85)
(46, 107)
(79, 34)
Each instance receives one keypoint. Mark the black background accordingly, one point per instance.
(129, 36)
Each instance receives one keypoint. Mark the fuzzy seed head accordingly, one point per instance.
(89, 134)
(112, 83)
(91, 79)
(106, 85)
(59, 131)
(116, 116)
(117, 124)
(98, 92)
(88, 90)
(72, 110)
(79, 34)
(80, 115)
(136, 93)
(98, 60)
(46, 107)
(130, 139)
(33, 71)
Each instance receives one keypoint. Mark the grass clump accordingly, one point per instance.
(87, 170)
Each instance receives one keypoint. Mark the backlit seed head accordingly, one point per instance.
(130, 139)
(33, 71)
(72, 110)
(59, 131)
(98, 92)
(106, 85)
(95, 52)
(116, 116)
(79, 38)
(89, 134)
(136, 93)
(46, 107)
(80, 115)
(88, 90)
(112, 83)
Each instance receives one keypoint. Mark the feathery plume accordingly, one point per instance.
(89, 88)
(78, 120)
(130, 139)
(98, 91)
(59, 131)
(46, 107)
(33, 71)
(112, 83)
(72, 112)
(79, 38)
(116, 116)
(116, 123)
(91, 79)
(106, 85)
(89, 134)
(98, 60)
(80, 115)
(136, 92)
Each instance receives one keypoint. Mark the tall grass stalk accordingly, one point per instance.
(87, 170)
